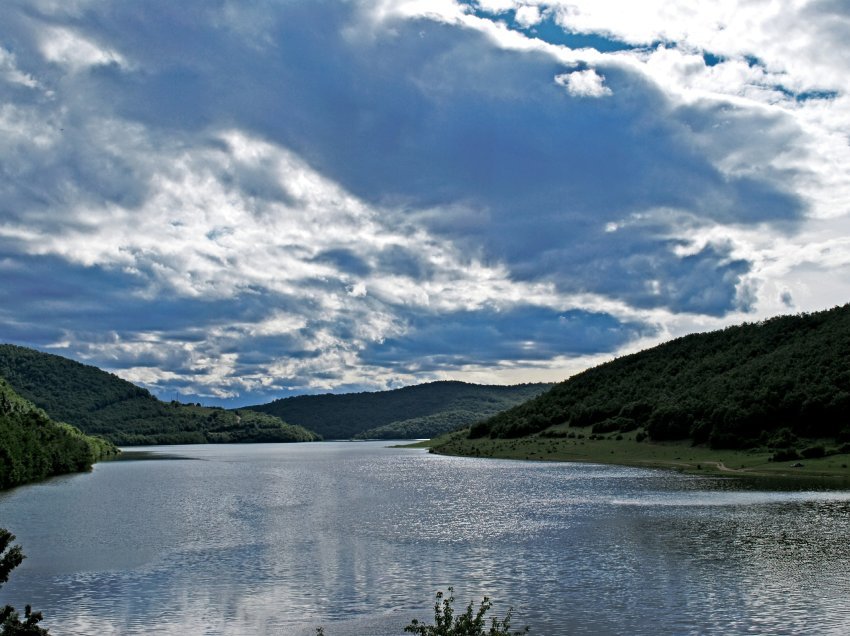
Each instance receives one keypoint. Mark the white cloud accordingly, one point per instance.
(73, 50)
(586, 83)
(766, 56)
(9, 70)
(528, 16)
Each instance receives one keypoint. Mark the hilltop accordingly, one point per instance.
(100, 403)
(424, 410)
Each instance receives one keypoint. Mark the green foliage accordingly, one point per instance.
(787, 377)
(12, 624)
(33, 447)
(470, 623)
(422, 411)
(813, 452)
(10, 621)
(785, 455)
(10, 557)
(427, 426)
(99, 403)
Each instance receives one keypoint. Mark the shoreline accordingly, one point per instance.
(831, 471)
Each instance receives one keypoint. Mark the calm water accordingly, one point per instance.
(279, 539)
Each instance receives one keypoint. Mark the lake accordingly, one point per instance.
(357, 537)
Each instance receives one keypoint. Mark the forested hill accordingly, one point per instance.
(754, 384)
(425, 410)
(33, 447)
(100, 403)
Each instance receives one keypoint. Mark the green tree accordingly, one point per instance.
(10, 620)
(470, 623)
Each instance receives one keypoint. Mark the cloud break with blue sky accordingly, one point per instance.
(234, 201)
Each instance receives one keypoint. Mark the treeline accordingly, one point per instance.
(33, 447)
(428, 426)
(759, 383)
(100, 403)
(425, 410)
(175, 423)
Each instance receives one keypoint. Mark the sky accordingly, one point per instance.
(232, 201)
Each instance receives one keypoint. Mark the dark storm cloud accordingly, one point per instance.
(523, 333)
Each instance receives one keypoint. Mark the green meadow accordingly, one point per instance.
(580, 445)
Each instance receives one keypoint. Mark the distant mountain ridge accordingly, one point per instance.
(762, 384)
(100, 403)
(423, 410)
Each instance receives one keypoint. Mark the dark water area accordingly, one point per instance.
(357, 537)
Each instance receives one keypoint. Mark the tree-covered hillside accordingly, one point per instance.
(754, 384)
(424, 410)
(33, 447)
(428, 426)
(100, 403)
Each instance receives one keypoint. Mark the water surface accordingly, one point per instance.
(282, 538)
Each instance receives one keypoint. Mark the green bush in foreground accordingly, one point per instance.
(470, 623)
(10, 621)
(467, 624)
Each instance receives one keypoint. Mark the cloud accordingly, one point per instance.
(587, 83)
(68, 48)
(528, 16)
(10, 72)
(239, 201)
(522, 333)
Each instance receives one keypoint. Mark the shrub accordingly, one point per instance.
(785, 455)
(783, 438)
(10, 622)
(479, 429)
(611, 424)
(553, 434)
(470, 623)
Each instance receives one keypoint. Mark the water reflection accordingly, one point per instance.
(279, 539)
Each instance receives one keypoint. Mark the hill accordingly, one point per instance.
(100, 403)
(771, 384)
(425, 410)
(33, 447)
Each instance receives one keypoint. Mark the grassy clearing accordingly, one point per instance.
(626, 451)
(423, 443)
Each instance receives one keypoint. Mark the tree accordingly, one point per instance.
(10, 621)
(469, 623)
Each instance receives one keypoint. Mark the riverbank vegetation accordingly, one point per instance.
(781, 385)
(10, 621)
(767, 398)
(100, 403)
(563, 443)
(34, 447)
